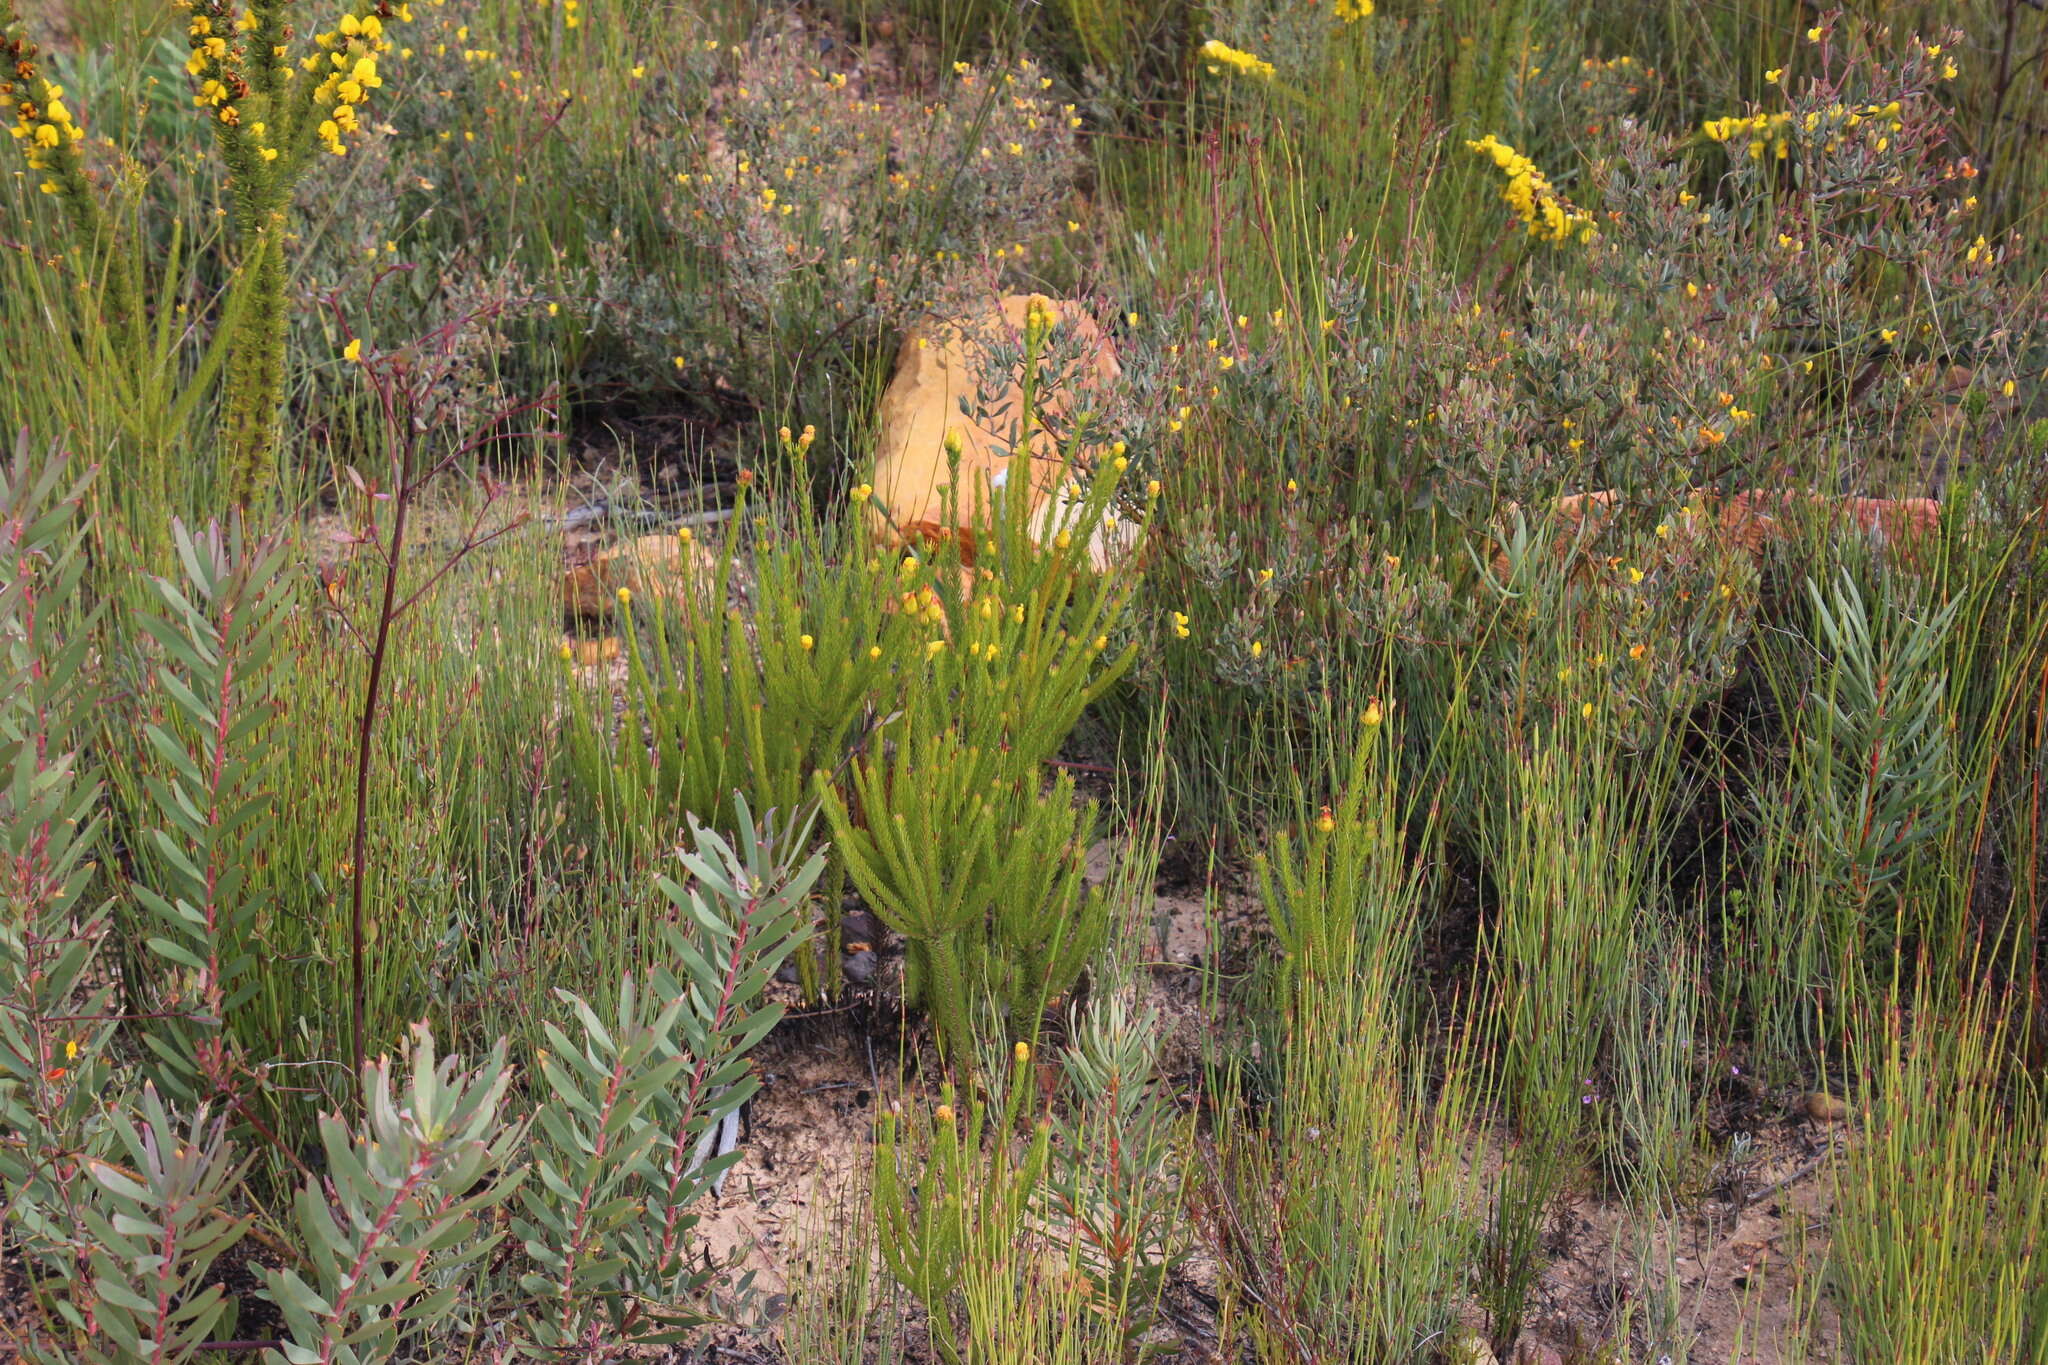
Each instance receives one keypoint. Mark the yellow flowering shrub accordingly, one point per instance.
(1548, 215)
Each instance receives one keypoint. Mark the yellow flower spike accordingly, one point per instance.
(1325, 821)
(1022, 1052)
(943, 1114)
(1373, 715)
(1152, 486)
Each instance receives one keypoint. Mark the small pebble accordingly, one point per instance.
(1822, 1107)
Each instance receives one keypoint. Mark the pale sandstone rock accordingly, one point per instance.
(940, 364)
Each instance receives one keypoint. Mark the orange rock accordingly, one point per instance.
(588, 653)
(681, 570)
(942, 363)
(1748, 521)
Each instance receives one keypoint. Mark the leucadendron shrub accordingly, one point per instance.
(135, 1149)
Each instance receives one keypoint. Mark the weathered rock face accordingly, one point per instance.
(941, 363)
(682, 571)
(1748, 521)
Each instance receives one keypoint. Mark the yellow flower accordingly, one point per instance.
(625, 597)
(1635, 575)
(1351, 11)
(1180, 624)
(568, 654)
(1257, 649)
(1775, 74)
(1022, 1052)
(354, 349)
(1244, 62)
(805, 642)
(1587, 711)
(1373, 715)
(1325, 821)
